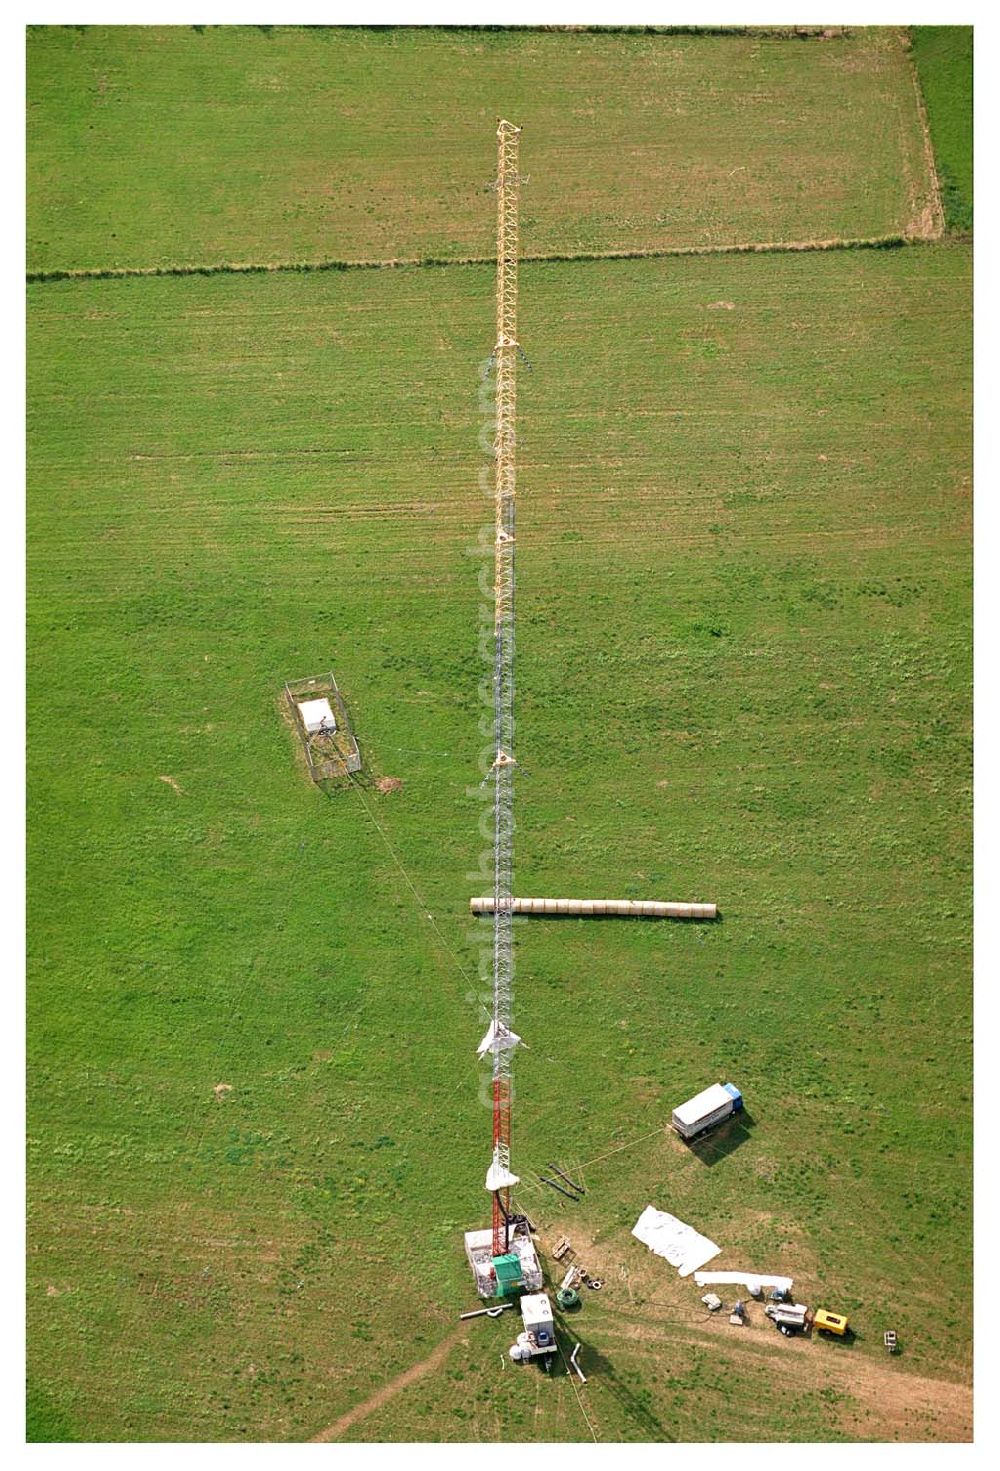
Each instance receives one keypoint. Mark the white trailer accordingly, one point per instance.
(706, 1109)
(788, 1317)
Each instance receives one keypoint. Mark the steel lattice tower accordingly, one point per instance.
(504, 451)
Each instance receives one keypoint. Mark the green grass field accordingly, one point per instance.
(943, 55)
(744, 669)
(153, 146)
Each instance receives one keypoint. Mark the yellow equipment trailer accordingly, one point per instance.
(826, 1322)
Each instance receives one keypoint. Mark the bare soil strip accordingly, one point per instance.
(930, 225)
(409, 1376)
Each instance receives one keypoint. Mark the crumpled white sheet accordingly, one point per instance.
(682, 1246)
(752, 1281)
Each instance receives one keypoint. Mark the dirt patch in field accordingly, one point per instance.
(175, 784)
(390, 784)
(881, 1400)
(928, 223)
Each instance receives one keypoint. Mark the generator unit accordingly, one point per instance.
(539, 1336)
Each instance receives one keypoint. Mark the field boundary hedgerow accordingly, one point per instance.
(253, 268)
(779, 33)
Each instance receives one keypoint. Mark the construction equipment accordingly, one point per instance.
(827, 1322)
(788, 1318)
(562, 1248)
(539, 1337)
(509, 1272)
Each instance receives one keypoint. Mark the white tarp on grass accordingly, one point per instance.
(682, 1246)
(752, 1281)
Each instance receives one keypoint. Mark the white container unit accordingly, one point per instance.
(706, 1109)
(539, 1336)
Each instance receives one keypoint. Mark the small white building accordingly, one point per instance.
(317, 715)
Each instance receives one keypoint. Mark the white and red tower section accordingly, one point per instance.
(500, 1041)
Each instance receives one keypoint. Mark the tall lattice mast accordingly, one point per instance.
(503, 1040)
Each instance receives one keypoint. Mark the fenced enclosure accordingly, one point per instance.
(329, 753)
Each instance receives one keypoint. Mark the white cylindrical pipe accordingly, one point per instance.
(625, 908)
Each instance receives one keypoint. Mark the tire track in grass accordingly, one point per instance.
(409, 1376)
(884, 1394)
